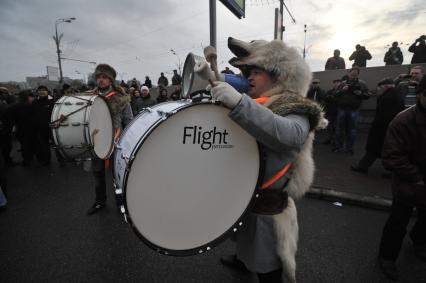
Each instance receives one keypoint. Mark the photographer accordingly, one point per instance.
(394, 55)
(349, 97)
(407, 84)
(360, 56)
(419, 50)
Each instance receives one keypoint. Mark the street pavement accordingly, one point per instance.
(46, 236)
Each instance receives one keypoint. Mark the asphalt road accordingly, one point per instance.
(46, 236)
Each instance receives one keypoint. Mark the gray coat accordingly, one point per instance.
(281, 138)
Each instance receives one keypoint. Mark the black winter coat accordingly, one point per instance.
(404, 153)
(419, 51)
(389, 104)
(42, 109)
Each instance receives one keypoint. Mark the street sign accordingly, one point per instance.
(52, 73)
(237, 7)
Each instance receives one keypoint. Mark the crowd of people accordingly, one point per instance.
(393, 56)
(283, 121)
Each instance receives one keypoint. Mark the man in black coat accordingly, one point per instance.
(389, 104)
(22, 116)
(394, 55)
(404, 153)
(360, 56)
(418, 48)
(42, 108)
(336, 62)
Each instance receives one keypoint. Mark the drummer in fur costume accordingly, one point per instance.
(283, 121)
(121, 113)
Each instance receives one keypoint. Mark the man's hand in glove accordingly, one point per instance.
(226, 94)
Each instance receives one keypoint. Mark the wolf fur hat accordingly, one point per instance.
(106, 70)
(284, 63)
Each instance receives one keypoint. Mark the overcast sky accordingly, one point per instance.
(135, 36)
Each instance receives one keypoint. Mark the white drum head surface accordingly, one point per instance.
(180, 196)
(100, 120)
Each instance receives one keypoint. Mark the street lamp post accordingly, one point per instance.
(179, 64)
(57, 40)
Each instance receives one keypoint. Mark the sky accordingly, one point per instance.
(136, 36)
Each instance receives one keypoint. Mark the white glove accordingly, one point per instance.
(226, 94)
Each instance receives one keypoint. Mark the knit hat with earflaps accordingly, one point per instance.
(106, 70)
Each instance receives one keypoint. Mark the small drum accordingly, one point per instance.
(184, 175)
(87, 130)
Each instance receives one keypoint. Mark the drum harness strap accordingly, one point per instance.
(272, 201)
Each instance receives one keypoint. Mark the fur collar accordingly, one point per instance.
(292, 103)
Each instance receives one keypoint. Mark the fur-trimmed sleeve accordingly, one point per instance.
(279, 133)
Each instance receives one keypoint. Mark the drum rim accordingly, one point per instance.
(87, 116)
(121, 198)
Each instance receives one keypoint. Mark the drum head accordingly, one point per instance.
(100, 121)
(191, 180)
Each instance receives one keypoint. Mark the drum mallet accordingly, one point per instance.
(211, 57)
(203, 70)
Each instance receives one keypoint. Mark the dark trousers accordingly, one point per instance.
(367, 160)
(331, 128)
(100, 185)
(346, 128)
(42, 147)
(396, 228)
(3, 183)
(271, 277)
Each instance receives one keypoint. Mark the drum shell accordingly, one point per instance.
(128, 147)
(73, 137)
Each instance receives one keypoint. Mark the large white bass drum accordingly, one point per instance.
(184, 176)
(82, 127)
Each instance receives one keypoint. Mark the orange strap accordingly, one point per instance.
(262, 100)
(112, 93)
(275, 178)
(117, 133)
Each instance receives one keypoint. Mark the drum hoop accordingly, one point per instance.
(56, 137)
(88, 137)
(206, 247)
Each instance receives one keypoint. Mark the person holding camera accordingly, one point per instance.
(360, 56)
(349, 97)
(418, 48)
(394, 55)
(406, 85)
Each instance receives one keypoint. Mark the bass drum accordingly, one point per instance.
(184, 176)
(87, 132)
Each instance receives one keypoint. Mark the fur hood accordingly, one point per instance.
(283, 62)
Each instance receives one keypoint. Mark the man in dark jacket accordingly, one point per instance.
(360, 55)
(407, 85)
(349, 99)
(42, 108)
(315, 93)
(336, 62)
(176, 79)
(394, 55)
(404, 153)
(147, 82)
(22, 116)
(330, 108)
(162, 81)
(419, 50)
(389, 104)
